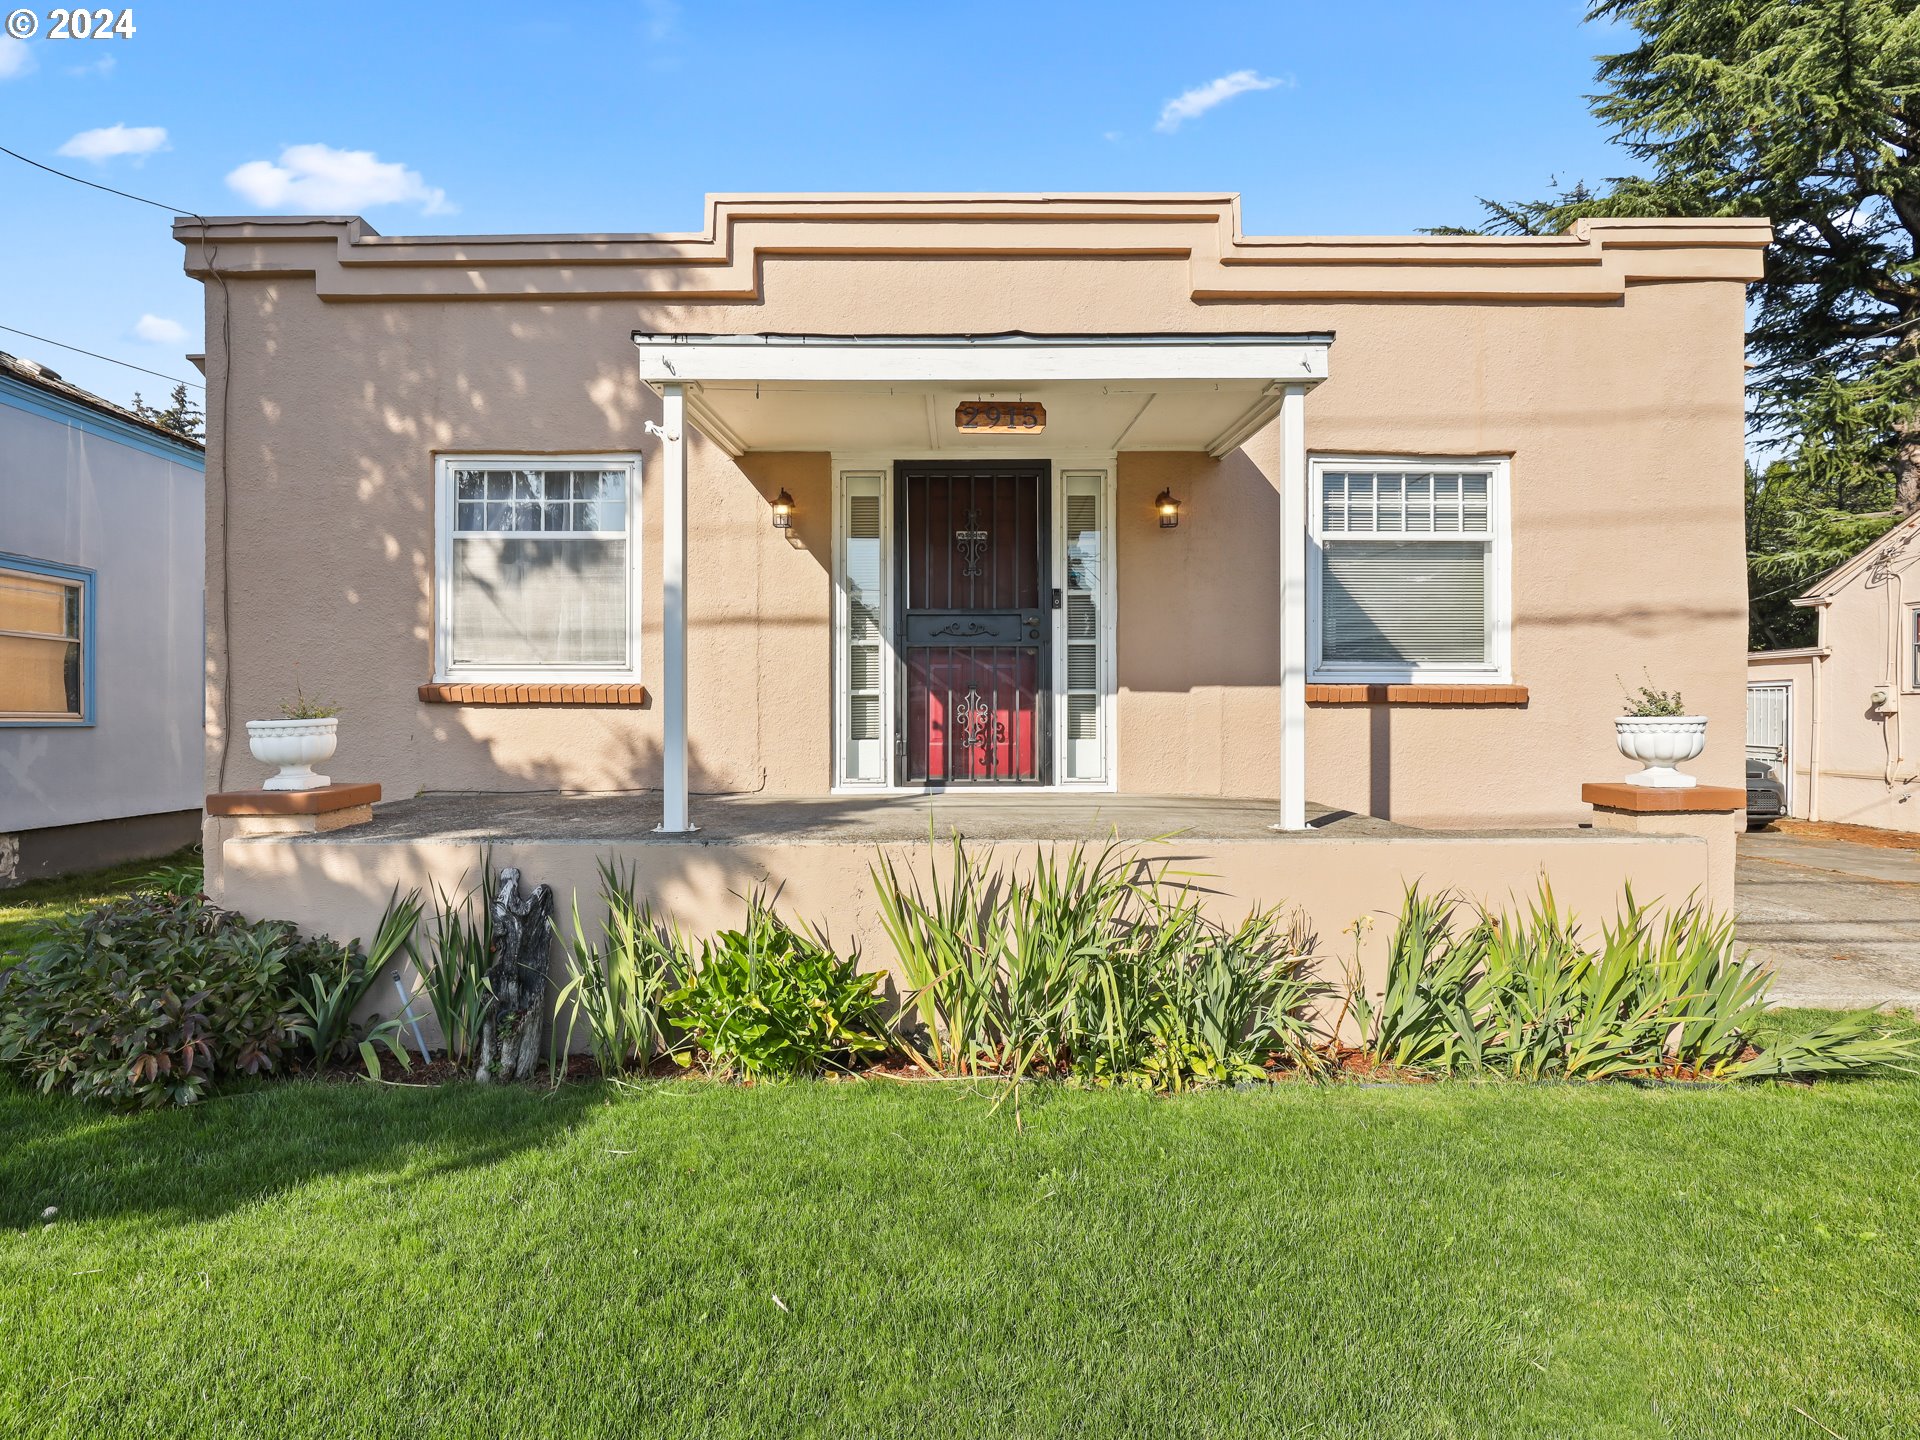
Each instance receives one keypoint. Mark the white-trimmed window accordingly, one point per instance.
(46, 643)
(1408, 576)
(864, 658)
(536, 568)
(1088, 604)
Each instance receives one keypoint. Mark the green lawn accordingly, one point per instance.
(24, 907)
(1460, 1260)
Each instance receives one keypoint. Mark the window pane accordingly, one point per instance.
(471, 484)
(539, 602)
(862, 759)
(1395, 502)
(1414, 603)
(601, 516)
(39, 605)
(39, 677)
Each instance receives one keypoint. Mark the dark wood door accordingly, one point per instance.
(974, 589)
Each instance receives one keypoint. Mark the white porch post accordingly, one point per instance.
(673, 610)
(1293, 609)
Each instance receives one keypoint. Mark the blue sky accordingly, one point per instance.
(1355, 118)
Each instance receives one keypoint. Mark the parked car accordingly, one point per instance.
(1766, 796)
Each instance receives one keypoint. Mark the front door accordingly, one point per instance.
(975, 588)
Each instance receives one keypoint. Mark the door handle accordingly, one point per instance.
(1030, 620)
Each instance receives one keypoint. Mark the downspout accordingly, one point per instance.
(1815, 706)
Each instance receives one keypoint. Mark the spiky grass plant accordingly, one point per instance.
(617, 986)
(939, 933)
(326, 1003)
(450, 964)
(1521, 995)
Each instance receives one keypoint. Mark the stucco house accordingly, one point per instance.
(1838, 722)
(101, 642)
(738, 553)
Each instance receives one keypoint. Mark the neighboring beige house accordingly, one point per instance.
(1838, 722)
(1090, 502)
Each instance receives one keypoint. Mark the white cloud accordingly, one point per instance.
(320, 180)
(15, 58)
(110, 140)
(1202, 98)
(159, 330)
(102, 66)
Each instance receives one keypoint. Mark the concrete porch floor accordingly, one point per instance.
(598, 819)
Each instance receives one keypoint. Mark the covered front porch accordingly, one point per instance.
(973, 547)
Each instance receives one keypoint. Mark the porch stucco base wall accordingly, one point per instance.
(336, 885)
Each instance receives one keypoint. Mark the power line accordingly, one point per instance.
(98, 356)
(95, 185)
(210, 249)
(124, 195)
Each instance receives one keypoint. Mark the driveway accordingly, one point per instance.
(1838, 923)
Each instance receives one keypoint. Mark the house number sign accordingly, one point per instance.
(1000, 417)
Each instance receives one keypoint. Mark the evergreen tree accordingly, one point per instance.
(182, 416)
(1806, 112)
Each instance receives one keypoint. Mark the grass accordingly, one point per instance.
(25, 907)
(897, 1260)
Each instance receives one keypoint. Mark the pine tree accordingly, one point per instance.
(182, 417)
(1805, 112)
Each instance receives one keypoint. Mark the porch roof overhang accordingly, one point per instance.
(1102, 392)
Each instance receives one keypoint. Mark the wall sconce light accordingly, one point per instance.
(1169, 509)
(782, 511)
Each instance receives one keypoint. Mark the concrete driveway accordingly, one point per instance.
(1839, 923)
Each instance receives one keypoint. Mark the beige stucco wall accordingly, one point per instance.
(1868, 759)
(1623, 417)
(339, 888)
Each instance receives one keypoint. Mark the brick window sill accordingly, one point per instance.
(1452, 695)
(507, 694)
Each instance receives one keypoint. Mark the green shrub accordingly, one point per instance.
(1524, 997)
(1182, 1001)
(771, 1001)
(617, 987)
(151, 997)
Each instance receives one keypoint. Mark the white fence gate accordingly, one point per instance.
(1770, 730)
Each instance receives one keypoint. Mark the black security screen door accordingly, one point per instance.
(974, 593)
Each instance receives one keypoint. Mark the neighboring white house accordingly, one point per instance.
(1838, 722)
(102, 549)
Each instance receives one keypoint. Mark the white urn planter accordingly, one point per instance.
(296, 746)
(1660, 742)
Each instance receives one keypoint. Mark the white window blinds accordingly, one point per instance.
(1406, 568)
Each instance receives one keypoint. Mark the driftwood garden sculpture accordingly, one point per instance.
(517, 978)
